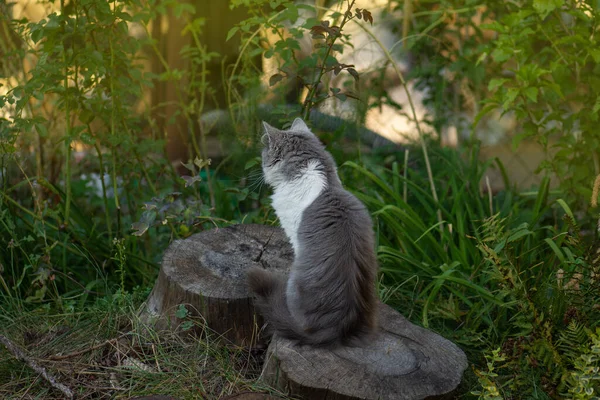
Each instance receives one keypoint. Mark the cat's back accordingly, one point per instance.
(338, 261)
(338, 220)
(338, 203)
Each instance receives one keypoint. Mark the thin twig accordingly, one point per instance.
(20, 355)
(83, 351)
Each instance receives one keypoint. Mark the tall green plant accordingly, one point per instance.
(507, 271)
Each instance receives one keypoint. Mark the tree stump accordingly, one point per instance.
(404, 361)
(207, 273)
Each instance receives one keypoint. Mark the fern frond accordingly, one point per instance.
(572, 340)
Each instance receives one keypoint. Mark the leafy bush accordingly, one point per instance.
(537, 60)
(82, 166)
(553, 57)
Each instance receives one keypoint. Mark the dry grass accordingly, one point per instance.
(106, 352)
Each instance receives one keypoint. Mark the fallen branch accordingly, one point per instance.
(20, 355)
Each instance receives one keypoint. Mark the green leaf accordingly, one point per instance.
(518, 235)
(496, 83)
(190, 180)
(252, 163)
(531, 93)
(200, 163)
(501, 54)
(509, 98)
(341, 96)
(545, 7)
(482, 57)
(41, 130)
(180, 8)
(495, 26)
(274, 79)
(187, 325)
(556, 89)
(555, 249)
(517, 139)
(484, 110)
(140, 228)
(566, 208)
(37, 35)
(232, 32)
(596, 105)
(181, 312)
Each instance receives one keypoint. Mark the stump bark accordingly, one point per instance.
(207, 273)
(402, 362)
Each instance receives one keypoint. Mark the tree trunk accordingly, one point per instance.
(403, 361)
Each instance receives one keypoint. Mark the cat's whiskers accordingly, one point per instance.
(256, 180)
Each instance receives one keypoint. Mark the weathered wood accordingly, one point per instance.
(404, 361)
(207, 273)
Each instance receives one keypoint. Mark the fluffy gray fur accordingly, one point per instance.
(329, 297)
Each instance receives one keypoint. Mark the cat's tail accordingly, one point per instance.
(270, 300)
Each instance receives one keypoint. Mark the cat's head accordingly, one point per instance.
(288, 154)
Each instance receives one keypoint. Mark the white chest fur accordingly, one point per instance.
(291, 198)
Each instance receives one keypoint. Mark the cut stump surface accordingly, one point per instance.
(402, 362)
(207, 273)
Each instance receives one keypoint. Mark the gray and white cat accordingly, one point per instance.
(329, 297)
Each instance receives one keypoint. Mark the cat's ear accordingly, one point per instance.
(299, 126)
(269, 132)
(268, 128)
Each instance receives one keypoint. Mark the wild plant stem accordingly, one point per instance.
(68, 133)
(19, 354)
(233, 70)
(202, 151)
(104, 196)
(113, 131)
(407, 15)
(197, 149)
(405, 184)
(416, 119)
(309, 102)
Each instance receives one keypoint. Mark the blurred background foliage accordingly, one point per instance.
(469, 129)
